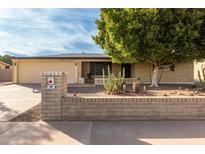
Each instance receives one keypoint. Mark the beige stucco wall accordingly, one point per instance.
(14, 74)
(85, 68)
(198, 66)
(2, 66)
(141, 71)
(184, 73)
(29, 70)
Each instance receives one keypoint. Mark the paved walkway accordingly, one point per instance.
(103, 132)
(15, 99)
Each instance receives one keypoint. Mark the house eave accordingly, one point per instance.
(106, 58)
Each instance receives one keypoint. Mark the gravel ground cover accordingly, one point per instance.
(31, 115)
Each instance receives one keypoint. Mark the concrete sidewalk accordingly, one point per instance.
(103, 132)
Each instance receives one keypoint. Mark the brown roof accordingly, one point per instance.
(68, 56)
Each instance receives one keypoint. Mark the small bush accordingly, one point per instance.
(113, 84)
(108, 83)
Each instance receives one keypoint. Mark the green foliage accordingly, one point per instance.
(202, 80)
(156, 36)
(6, 59)
(108, 82)
(113, 84)
(118, 81)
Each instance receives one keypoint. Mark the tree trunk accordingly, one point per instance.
(155, 77)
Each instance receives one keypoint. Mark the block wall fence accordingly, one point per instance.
(57, 105)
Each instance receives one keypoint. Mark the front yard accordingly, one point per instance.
(33, 114)
(163, 90)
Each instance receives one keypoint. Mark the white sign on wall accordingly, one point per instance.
(51, 83)
(51, 86)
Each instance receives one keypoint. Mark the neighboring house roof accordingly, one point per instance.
(69, 56)
(6, 64)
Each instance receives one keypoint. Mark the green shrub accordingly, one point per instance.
(113, 84)
(108, 83)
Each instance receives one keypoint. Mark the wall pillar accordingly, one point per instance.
(14, 73)
(51, 98)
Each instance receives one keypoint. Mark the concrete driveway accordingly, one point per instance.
(3, 83)
(16, 99)
(103, 132)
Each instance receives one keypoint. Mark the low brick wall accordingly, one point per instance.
(6, 74)
(138, 108)
(57, 105)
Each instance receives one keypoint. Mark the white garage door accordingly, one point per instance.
(29, 71)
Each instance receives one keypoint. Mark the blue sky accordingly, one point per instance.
(33, 32)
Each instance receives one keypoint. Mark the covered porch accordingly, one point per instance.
(92, 72)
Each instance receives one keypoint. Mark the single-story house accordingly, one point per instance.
(87, 68)
(4, 65)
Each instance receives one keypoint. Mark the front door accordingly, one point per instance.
(127, 70)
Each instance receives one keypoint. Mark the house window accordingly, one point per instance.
(96, 68)
(170, 67)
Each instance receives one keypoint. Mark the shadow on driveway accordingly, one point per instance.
(6, 112)
(45, 133)
(16, 99)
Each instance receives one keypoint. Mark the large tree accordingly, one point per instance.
(155, 36)
(6, 59)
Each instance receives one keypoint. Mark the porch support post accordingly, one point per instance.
(79, 71)
(76, 71)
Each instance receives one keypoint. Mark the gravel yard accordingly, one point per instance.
(163, 90)
(31, 115)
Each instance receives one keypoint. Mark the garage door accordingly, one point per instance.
(29, 72)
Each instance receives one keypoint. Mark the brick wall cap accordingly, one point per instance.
(135, 97)
(53, 73)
